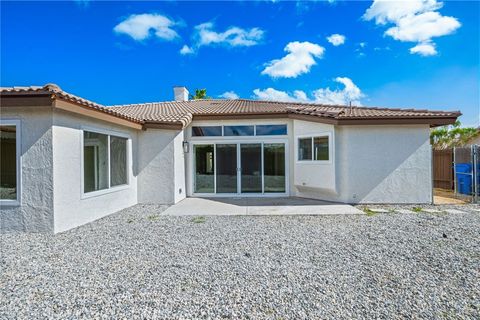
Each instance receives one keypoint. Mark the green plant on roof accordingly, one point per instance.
(199, 94)
(417, 209)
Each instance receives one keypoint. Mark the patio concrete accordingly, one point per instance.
(257, 206)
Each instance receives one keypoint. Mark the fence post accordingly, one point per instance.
(454, 173)
(431, 175)
(474, 172)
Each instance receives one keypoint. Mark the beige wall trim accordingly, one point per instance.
(240, 116)
(26, 101)
(90, 112)
(168, 126)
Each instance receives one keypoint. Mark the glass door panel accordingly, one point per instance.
(274, 167)
(226, 159)
(204, 168)
(251, 162)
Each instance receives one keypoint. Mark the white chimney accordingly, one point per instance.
(181, 93)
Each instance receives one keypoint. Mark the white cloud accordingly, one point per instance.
(233, 36)
(276, 95)
(349, 93)
(186, 50)
(140, 27)
(205, 35)
(413, 21)
(423, 27)
(231, 95)
(424, 49)
(299, 60)
(336, 39)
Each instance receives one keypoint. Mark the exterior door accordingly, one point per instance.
(239, 168)
(227, 169)
(251, 168)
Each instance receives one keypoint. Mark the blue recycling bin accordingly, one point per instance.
(464, 178)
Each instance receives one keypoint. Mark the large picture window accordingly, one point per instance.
(314, 148)
(9, 161)
(104, 161)
(241, 130)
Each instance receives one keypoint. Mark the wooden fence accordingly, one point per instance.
(443, 169)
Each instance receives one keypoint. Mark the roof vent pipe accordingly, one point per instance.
(180, 93)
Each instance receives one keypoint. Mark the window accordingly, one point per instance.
(207, 131)
(118, 161)
(320, 148)
(238, 130)
(314, 148)
(9, 161)
(271, 130)
(241, 130)
(104, 161)
(305, 149)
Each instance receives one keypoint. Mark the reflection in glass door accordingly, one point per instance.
(226, 159)
(239, 168)
(251, 164)
(274, 167)
(204, 168)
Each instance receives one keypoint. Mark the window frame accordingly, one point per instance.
(328, 135)
(110, 189)
(207, 136)
(226, 137)
(18, 159)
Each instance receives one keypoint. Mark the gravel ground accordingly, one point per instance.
(140, 264)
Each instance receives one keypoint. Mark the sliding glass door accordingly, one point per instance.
(239, 168)
(274, 167)
(226, 158)
(251, 164)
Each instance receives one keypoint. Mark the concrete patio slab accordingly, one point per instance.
(379, 210)
(405, 211)
(454, 211)
(257, 206)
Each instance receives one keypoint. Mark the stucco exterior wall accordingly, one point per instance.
(35, 213)
(380, 164)
(71, 206)
(179, 167)
(160, 160)
(314, 176)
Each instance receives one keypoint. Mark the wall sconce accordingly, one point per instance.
(186, 147)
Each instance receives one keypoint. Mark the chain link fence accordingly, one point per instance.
(466, 171)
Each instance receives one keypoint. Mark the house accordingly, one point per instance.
(66, 161)
(474, 140)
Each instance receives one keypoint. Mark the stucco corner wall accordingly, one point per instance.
(71, 207)
(160, 166)
(312, 178)
(384, 164)
(35, 213)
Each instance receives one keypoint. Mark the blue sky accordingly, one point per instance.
(422, 54)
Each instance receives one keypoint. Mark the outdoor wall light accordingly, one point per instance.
(186, 147)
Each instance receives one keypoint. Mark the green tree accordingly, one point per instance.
(452, 136)
(199, 94)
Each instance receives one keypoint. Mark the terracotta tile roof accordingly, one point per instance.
(54, 90)
(215, 107)
(182, 113)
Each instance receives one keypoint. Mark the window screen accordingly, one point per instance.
(8, 162)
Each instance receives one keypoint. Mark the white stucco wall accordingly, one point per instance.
(71, 207)
(35, 213)
(160, 166)
(380, 164)
(314, 175)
